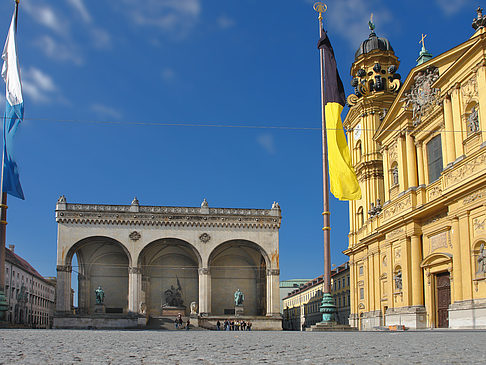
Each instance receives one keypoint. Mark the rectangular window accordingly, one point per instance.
(361, 270)
(434, 157)
(361, 293)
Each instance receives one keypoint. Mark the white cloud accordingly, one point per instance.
(58, 51)
(105, 111)
(79, 6)
(101, 38)
(168, 74)
(225, 22)
(267, 142)
(174, 16)
(349, 19)
(450, 7)
(38, 85)
(46, 16)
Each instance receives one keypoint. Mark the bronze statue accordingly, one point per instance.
(100, 295)
(239, 297)
(173, 296)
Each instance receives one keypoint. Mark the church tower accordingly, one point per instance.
(376, 83)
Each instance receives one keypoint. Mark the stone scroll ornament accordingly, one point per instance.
(422, 97)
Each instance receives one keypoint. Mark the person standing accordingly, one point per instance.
(188, 323)
(218, 325)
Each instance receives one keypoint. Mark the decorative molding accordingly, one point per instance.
(458, 175)
(135, 236)
(434, 219)
(64, 268)
(361, 306)
(361, 283)
(168, 216)
(398, 253)
(474, 196)
(392, 153)
(392, 210)
(205, 238)
(395, 233)
(434, 192)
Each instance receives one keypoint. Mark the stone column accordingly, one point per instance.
(371, 282)
(63, 288)
(134, 287)
(83, 293)
(456, 261)
(411, 161)
(417, 274)
(273, 298)
(457, 123)
(204, 291)
(386, 174)
(449, 134)
(352, 293)
(420, 164)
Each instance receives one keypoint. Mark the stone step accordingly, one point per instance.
(331, 327)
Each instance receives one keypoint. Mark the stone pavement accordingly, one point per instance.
(212, 347)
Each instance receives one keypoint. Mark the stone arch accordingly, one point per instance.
(238, 264)
(102, 261)
(167, 263)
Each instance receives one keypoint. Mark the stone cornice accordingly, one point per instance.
(100, 214)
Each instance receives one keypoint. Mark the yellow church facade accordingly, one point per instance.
(418, 146)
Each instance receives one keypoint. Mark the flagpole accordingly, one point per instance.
(3, 219)
(327, 307)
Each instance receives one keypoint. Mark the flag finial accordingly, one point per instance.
(320, 8)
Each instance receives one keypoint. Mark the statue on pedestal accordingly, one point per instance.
(100, 295)
(173, 296)
(239, 297)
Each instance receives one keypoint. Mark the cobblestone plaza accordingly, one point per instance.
(208, 347)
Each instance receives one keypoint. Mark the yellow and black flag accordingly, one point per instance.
(344, 184)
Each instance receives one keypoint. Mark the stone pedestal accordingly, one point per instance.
(173, 311)
(239, 310)
(100, 309)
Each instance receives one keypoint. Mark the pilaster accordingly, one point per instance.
(420, 164)
(465, 257)
(402, 168)
(204, 291)
(386, 174)
(63, 288)
(456, 119)
(273, 297)
(481, 79)
(456, 262)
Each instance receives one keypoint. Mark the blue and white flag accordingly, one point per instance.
(14, 111)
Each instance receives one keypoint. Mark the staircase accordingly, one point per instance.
(168, 324)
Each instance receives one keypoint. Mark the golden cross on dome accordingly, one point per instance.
(423, 40)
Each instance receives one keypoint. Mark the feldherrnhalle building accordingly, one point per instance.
(418, 145)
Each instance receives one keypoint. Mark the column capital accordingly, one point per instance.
(64, 268)
(203, 271)
(271, 272)
(135, 270)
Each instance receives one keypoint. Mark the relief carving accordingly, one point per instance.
(135, 236)
(439, 240)
(395, 233)
(435, 192)
(469, 89)
(398, 207)
(392, 152)
(398, 253)
(458, 175)
(478, 224)
(422, 97)
(473, 197)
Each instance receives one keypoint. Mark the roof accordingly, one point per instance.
(16, 260)
(318, 280)
(373, 43)
(292, 282)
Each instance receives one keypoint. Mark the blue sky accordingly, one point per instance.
(86, 63)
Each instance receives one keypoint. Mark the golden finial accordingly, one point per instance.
(423, 40)
(320, 8)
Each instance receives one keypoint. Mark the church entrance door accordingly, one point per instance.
(443, 289)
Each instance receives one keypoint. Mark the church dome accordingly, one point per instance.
(373, 43)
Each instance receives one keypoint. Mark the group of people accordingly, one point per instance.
(228, 325)
(179, 323)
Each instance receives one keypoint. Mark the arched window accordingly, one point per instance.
(394, 173)
(397, 278)
(359, 151)
(360, 217)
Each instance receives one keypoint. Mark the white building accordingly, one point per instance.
(30, 297)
